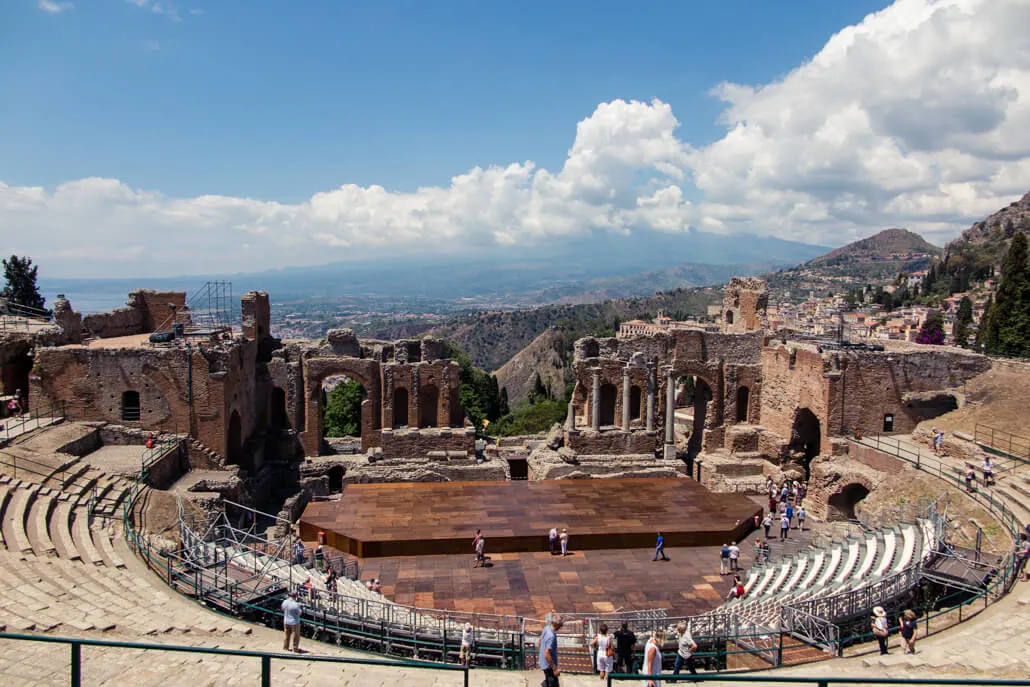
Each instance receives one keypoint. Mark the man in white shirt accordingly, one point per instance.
(685, 652)
(466, 644)
(734, 556)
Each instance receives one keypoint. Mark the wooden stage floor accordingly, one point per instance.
(430, 518)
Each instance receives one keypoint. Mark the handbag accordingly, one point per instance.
(609, 650)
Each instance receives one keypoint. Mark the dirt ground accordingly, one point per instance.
(996, 398)
(964, 514)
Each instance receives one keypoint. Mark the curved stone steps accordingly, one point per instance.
(61, 532)
(102, 535)
(15, 534)
(38, 524)
(82, 538)
(5, 499)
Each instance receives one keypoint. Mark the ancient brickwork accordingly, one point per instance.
(146, 311)
(745, 300)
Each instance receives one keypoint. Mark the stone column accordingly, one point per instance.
(595, 401)
(652, 383)
(625, 399)
(670, 406)
(570, 418)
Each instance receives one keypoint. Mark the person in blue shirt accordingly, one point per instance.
(790, 515)
(291, 622)
(548, 660)
(659, 548)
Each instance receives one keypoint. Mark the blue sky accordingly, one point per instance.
(268, 134)
(280, 100)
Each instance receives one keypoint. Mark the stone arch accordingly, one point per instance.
(234, 439)
(702, 397)
(400, 407)
(131, 410)
(840, 505)
(609, 394)
(805, 437)
(428, 405)
(743, 403)
(365, 373)
(729, 317)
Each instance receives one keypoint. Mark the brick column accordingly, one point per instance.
(652, 382)
(625, 399)
(670, 406)
(595, 401)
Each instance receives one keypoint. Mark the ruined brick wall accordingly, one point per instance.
(792, 378)
(613, 442)
(256, 314)
(156, 307)
(745, 300)
(123, 321)
(415, 445)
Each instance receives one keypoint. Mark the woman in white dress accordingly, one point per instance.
(653, 658)
(605, 651)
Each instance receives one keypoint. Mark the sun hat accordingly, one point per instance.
(879, 612)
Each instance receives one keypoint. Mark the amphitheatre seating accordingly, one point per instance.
(61, 571)
(820, 572)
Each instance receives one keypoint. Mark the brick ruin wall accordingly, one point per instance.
(145, 311)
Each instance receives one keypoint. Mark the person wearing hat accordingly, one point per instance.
(291, 622)
(880, 628)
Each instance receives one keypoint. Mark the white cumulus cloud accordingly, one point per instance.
(919, 116)
(53, 7)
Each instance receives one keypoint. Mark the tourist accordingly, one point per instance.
(298, 552)
(548, 659)
(309, 589)
(685, 651)
(765, 552)
(783, 493)
(150, 440)
(803, 492)
(801, 518)
(465, 653)
(659, 548)
(480, 549)
(908, 631)
(625, 642)
(724, 560)
(794, 492)
(988, 470)
(970, 479)
(605, 649)
(330, 580)
(653, 658)
(13, 407)
(319, 556)
(552, 541)
(1022, 554)
(767, 523)
(291, 622)
(769, 484)
(933, 439)
(939, 442)
(377, 585)
(564, 541)
(773, 503)
(880, 628)
(784, 526)
(734, 556)
(789, 512)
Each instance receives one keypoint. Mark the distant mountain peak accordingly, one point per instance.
(889, 245)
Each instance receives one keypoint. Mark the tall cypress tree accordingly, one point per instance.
(1012, 303)
(963, 319)
(987, 332)
(21, 287)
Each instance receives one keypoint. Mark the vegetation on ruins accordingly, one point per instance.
(963, 319)
(932, 331)
(21, 287)
(535, 415)
(480, 396)
(342, 410)
(1006, 326)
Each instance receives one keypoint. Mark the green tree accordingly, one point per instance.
(987, 332)
(21, 286)
(342, 410)
(539, 392)
(963, 319)
(1011, 311)
(504, 407)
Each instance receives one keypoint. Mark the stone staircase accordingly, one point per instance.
(64, 571)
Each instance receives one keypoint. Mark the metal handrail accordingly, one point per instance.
(820, 681)
(1013, 445)
(19, 423)
(75, 668)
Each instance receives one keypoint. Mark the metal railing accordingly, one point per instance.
(36, 417)
(18, 317)
(265, 658)
(819, 681)
(1000, 441)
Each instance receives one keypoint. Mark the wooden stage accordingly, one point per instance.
(430, 518)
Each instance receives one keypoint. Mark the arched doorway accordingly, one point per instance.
(702, 397)
(400, 407)
(743, 399)
(130, 406)
(428, 403)
(634, 403)
(335, 475)
(608, 395)
(841, 505)
(342, 401)
(729, 317)
(805, 437)
(234, 439)
(279, 418)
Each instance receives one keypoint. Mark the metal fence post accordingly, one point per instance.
(266, 671)
(76, 676)
(466, 676)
